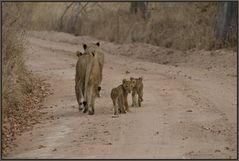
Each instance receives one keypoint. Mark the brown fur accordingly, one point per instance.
(95, 50)
(119, 96)
(88, 77)
(81, 66)
(137, 89)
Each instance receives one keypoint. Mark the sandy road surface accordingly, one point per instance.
(186, 113)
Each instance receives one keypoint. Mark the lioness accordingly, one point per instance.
(138, 88)
(78, 53)
(92, 83)
(88, 78)
(119, 96)
(80, 77)
(94, 49)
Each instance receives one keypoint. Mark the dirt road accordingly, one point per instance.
(187, 112)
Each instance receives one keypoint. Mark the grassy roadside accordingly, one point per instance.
(22, 91)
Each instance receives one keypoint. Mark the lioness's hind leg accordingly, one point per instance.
(81, 99)
(91, 101)
(98, 91)
(85, 107)
(79, 95)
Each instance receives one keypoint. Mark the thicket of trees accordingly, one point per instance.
(223, 21)
(179, 25)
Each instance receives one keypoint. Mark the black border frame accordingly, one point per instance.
(122, 2)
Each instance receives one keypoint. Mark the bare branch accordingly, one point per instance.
(61, 19)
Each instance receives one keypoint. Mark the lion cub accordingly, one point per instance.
(137, 88)
(119, 96)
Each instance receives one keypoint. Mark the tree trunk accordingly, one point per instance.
(226, 22)
(136, 7)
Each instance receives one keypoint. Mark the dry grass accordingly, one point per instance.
(13, 64)
(178, 25)
(21, 89)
